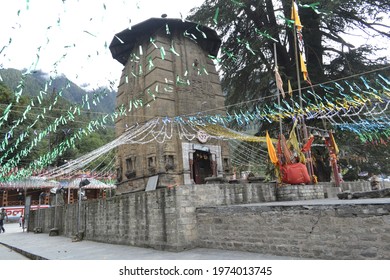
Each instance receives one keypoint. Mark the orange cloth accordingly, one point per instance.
(271, 150)
(295, 174)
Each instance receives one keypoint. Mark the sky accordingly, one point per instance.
(71, 37)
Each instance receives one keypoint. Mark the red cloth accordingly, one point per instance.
(295, 174)
(307, 146)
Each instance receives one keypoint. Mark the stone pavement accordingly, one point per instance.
(9, 254)
(42, 246)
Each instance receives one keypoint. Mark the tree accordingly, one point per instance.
(21, 128)
(13, 123)
(250, 29)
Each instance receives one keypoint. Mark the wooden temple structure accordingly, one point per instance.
(42, 192)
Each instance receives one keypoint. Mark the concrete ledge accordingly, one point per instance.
(28, 255)
(368, 194)
(253, 179)
(215, 180)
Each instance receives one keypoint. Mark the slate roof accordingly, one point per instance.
(123, 43)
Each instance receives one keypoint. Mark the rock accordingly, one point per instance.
(369, 194)
(54, 232)
(344, 195)
(215, 180)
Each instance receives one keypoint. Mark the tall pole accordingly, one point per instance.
(82, 184)
(55, 210)
(280, 113)
(297, 68)
(302, 119)
(79, 211)
(39, 208)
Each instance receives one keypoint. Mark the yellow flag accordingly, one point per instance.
(303, 68)
(333, 142)
(271, 149)
(290, 91)
(293, 140)
(295, 16)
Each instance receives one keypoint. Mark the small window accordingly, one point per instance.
(131, 163)
(226, 164)
(130, 167)
(169, 159)
(151, 162)
(169, 162)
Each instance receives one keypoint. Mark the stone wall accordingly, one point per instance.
(331, 191)
(299, 192)
(229, 216)
(384, 185)
(357, 186)
(163, 219)
(317, 231)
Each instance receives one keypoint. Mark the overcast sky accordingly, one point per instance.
(72, 36)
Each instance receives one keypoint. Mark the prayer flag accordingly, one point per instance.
(303, 68)
(271, 149)
(293, 140)
(290, 91)
(285, 150)
(295, 16)
(333, 143)
(307, 146)
(279, 82)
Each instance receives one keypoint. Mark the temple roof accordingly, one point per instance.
(123, 42)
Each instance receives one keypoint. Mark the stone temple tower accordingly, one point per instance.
(168, 74)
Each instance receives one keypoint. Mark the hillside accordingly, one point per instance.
(36, 81)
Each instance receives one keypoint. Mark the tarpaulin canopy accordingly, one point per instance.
(31, 182)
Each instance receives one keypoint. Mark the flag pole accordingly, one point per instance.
(302, 119)
(280, 113)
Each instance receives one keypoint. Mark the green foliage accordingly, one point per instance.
(52, 139)
(251, 29)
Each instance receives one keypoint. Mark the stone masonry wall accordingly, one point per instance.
(164, 219)
(319, 232)
(213, 216)
(299, 192)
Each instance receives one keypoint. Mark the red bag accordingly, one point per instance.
(295, 174)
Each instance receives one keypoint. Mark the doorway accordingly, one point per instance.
(202, 166)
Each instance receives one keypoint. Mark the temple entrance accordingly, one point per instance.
(202, 166)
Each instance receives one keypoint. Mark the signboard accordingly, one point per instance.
(152, 183)
(14, 212)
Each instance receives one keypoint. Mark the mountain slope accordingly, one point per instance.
(39, 81)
